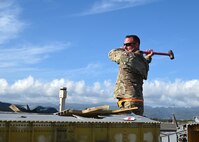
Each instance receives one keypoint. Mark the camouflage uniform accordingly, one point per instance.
(133, 68)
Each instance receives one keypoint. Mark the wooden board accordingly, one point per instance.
(117, 111)
(95, 111)
(14, 108)
(85, 112)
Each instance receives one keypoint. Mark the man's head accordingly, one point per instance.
(132, 43)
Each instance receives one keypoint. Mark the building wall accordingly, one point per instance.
(78, 132)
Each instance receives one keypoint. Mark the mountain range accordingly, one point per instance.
(181, 113)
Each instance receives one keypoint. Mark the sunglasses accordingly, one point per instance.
(129, 44)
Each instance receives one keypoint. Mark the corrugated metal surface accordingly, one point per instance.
(56, 118)
(25, 127)
(168, 127)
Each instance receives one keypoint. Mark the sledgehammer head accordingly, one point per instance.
(171, 55)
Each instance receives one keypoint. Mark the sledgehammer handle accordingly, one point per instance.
(170, 53)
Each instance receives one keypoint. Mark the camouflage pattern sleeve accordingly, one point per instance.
(138, 64)
(148, 58)
(115, 54)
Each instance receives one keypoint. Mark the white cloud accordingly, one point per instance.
(112, 5)
(19, 56)
(10, 24)
(156, 93)
(178, 93)
(3, 86)
(30, 90)
(28, 54)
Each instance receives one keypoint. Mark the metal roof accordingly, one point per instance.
(168, 127)
(193, 124)
(32, 117)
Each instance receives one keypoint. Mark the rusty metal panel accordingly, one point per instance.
(193, 132)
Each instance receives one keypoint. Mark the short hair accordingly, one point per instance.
(135, 37)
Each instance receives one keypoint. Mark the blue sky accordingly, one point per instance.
(47, 44)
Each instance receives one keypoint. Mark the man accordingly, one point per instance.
(133, 69)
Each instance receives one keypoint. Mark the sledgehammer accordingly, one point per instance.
(170, 53)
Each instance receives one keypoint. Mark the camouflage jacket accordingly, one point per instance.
(133, 69)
